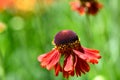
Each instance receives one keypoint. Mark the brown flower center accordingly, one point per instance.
(67, 48)
(66, 41)
(64, 37)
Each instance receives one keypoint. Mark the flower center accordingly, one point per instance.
(66, 41)
(64, 37)
(68, 48)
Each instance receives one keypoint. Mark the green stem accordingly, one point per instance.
(88, 30)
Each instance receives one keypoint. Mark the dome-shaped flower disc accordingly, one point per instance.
(65, 36)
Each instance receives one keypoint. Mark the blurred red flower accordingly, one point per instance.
(90, 7)
(76, 7)
(67, 44)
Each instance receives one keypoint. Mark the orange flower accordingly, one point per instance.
(5, 4)
(24, 5)
(90, 7)
(67, 45)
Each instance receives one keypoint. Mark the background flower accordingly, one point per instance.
(5, 4)
(90, 7)
(24, 5)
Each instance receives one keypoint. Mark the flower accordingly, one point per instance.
(76, 7)
(67, 45)
(24, 5)
(5, 4)
(94, 8)
(90, 7)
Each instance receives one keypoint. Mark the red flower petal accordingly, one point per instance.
(75, 5)
(65, 74)
(50, 59)
(80, 54)
(75, 61)
(92, 50)
(88, 55)
(41, 57)
(78, 72)
(58, 68)
(92, 56)
(68, 64)
(81, 10)
(54, 60)
(68, 67)
(81, 67)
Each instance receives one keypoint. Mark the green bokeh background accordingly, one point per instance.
(30, 34)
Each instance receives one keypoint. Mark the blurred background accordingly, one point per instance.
(27, 28)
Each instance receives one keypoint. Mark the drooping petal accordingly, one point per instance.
(68, 64)
(75, 61)
(78, 73)
(54, 60)
(88, 55)
(58, 68)
(92, 56)
(65, 74)
(49, 60)
(45, 58)
(80, 54)
(41, 57)
(81, 67)
(68, 67)
(93, 52)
